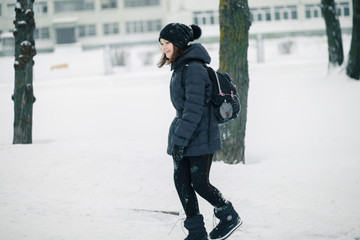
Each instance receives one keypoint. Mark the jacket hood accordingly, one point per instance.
(195, 52)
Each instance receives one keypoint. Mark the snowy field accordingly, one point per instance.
(97, 168)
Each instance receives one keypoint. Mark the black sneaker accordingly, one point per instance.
(229, 222)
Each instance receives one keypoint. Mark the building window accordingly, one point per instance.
(73, 5)
(343, 9)
(312, 11)
(10, 7)
(260, 14)
(141, 3)
(105, 4)
(293, 10)
(40, 8)
(111, 28)
(134, 27)
(42, 33)
(206, 18)
(285, 13)
(87, 30)
(143, 26)
(154, 25)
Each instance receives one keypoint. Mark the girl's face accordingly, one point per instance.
(167, 48)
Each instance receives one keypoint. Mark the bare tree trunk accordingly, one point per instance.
(353, 65)
(23, 96)
(234, 42)
(333, 30)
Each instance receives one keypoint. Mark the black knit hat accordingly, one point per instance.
(180, 34)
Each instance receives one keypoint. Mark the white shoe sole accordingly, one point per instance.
(229, 233)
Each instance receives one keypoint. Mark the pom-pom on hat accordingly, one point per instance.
(180, 34)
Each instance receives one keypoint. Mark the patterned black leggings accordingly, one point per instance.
(191, 175)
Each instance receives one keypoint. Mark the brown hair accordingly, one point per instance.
(178, 52)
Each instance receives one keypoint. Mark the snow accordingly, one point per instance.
(25, 43)
(28, 11)
(18, 6)
(22, 22)
(98, 157)
(6, 35)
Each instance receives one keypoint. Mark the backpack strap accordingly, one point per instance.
(186, 67)
(183, 75)
(218, 82)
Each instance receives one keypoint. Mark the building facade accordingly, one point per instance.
(96, 23)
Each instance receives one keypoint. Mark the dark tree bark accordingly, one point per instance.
(234, 42)
(23, 96)
(333, 31)
(353, 65)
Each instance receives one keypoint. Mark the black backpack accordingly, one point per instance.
(224, 98)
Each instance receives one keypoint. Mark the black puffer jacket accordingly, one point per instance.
(190, 98)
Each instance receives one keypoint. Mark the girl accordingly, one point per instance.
(190, 142)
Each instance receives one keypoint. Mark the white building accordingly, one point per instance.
(95, 23)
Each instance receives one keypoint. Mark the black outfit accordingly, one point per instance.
(191, 175)
(190, 142)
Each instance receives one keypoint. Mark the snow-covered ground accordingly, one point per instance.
(98, 163)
